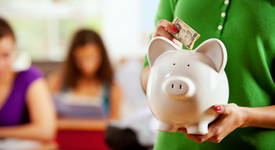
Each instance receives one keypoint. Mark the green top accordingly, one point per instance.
(248, 32)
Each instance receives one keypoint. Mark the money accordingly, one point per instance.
(186, 35)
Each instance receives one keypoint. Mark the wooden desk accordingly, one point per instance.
(81, 134)
(82, 124)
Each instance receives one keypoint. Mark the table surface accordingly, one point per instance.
(82, 124)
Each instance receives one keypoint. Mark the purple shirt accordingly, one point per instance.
(14, 110)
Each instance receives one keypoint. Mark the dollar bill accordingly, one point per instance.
(186, 35)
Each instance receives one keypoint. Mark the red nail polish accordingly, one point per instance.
(175, 29)
(218, 108)
(183, 129)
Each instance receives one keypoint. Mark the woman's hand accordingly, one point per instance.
(162, 29)
(231, 117)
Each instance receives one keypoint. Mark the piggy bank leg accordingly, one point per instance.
(201, 128)
(165, 127)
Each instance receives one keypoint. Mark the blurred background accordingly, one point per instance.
(44, 29)
(125, 25)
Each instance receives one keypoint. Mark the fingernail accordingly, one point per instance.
(218, 108)
(175, 29)
(174, 42)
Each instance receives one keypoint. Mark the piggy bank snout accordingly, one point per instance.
(178, 87)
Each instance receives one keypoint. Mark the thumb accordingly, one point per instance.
(223, 109)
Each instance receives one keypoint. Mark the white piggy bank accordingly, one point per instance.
(183, 85)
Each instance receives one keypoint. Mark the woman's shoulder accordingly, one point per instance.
(30, 74)
(115, 85)
(54, 81)
(25, 78)
(115, 88)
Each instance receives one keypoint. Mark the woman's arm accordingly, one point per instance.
(115, 99)
(263, 117)
(42, 115)
(163, 24)
(161, 30)
(144, 77)
(233, 117)
(54, 82)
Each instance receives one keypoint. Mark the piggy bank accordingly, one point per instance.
(183, 85)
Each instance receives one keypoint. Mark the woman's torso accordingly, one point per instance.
(14, 109)
(86, 100)
(248, 32)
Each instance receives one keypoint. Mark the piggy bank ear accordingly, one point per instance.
(216, 51)
(158, 46)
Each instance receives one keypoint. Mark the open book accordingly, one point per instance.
(71, 106)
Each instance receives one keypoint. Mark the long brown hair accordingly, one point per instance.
(71, 72)
(5, 29)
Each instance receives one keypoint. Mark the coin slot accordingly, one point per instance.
(172, 85)
(180, 86)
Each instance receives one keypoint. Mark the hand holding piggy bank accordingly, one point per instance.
(183, 85)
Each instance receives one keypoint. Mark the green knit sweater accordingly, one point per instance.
(247, 28)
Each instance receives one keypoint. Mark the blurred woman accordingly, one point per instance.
(26, 109)
(88, 73)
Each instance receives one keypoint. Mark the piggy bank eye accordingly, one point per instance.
(188, 65)
(174, 63)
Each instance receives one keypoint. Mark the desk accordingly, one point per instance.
(81, 134)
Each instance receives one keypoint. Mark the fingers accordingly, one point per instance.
(160, 31)
(211, 137)
(196, 138)
(168, 25)
(220, 128)
(220, 109)
(214, 134)
(163, 27)
(214, 140)
(179, 129)
(224, 109)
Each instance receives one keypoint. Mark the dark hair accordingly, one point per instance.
(71, 72)
(5, 29)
